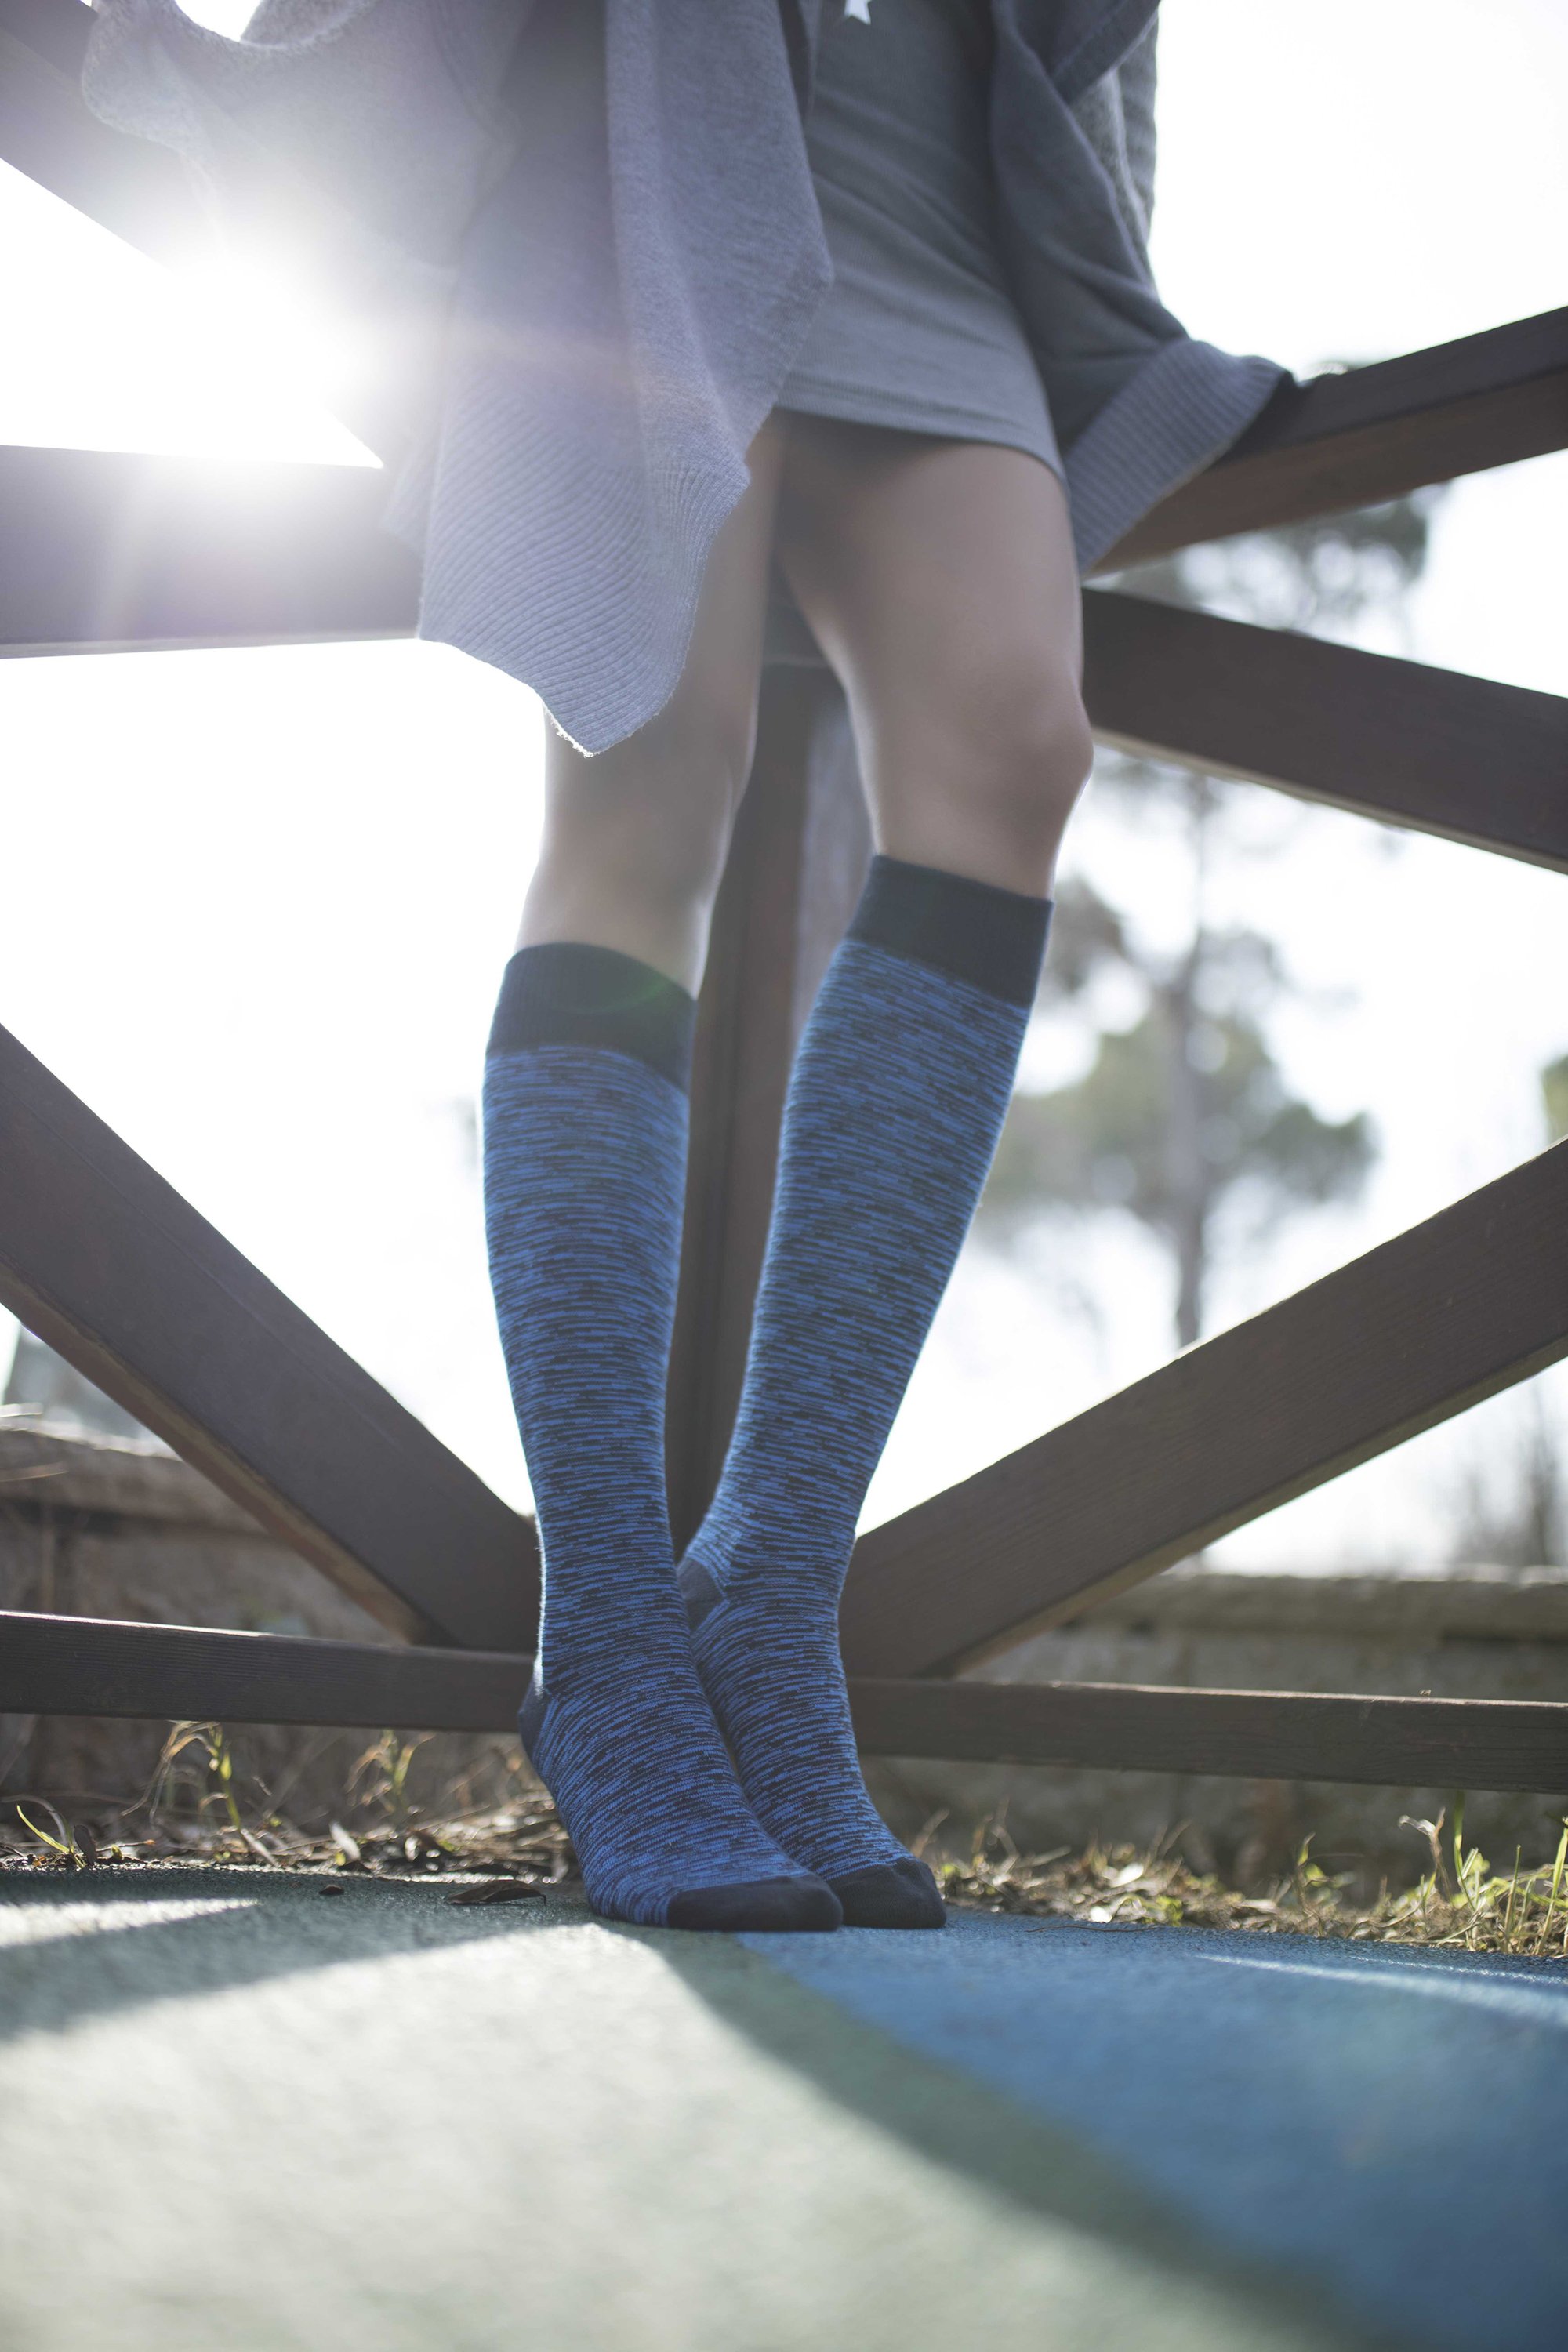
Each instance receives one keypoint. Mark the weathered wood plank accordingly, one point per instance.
(1254, 1735)
(1462, 757)
(1460, 1306)
(94, 1665)
(73, 1665)
(104, 1260)
(101, 548)
(794, 871)
(1375, 432)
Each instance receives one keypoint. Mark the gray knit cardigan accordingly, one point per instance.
(579, 246)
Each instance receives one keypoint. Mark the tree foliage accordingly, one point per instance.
(1184, 1119)
(1179, 1117)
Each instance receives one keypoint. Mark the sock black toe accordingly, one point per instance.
(771, 1907)
(890, 1894)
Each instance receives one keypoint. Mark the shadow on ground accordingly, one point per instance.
(1196, 2138)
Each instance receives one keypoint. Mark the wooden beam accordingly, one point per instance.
(100, 550)
(74, 1666)
(1448, 1743)
(104, 1261)
(795, 868)
(1375, 432)
(93, 1665)
(1462, 757)
(1460, 1306)
(141, 192)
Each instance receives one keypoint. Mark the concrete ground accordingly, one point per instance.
(238, 2116)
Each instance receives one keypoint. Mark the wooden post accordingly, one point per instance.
(802, 845)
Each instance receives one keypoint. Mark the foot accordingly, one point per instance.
(665, 1838)
(770, 1664)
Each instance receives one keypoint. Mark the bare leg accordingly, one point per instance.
(635, 839)
(939, 581)
(585, 1122)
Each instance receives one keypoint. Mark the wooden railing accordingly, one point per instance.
(104, 1261)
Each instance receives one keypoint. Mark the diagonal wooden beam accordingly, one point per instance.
(75, 1666)
(1463, 757)
(141, 192)
(104, 1260)
(1375, 432)
(1460, 1306)
(101, 549)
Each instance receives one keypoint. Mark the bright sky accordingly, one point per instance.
(259, 901)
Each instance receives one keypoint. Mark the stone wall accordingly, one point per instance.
(1447, 1633)
(96, 1526)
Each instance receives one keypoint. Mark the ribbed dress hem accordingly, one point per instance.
(853, 404)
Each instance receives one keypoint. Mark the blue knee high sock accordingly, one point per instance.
(586, 1118)
(899, 1092)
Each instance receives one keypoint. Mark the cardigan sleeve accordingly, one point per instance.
(1116, 115)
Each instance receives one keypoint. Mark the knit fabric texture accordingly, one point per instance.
(900, 1089)
(585, 1133)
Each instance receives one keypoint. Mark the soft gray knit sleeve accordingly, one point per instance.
(1116, 115)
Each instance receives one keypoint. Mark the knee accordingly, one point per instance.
(1028, 751)
(670, 836)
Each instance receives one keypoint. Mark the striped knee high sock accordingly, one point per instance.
(585, 1120)
(899, 1092)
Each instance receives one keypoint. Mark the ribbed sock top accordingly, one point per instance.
(566, 993)
(973, 931)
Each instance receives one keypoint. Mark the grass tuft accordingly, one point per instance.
(1460, 1904)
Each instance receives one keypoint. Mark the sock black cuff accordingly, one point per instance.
(974, 931)
(564, 993)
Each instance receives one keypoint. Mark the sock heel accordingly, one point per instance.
(531, 1721)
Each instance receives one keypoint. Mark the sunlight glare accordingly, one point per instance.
(109, 350)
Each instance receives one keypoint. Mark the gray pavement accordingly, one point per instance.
(236, 2114)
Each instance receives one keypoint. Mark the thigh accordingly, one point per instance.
(713, 707)
(940, 580)
(635, 838)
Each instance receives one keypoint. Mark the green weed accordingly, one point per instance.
(1461, 1903)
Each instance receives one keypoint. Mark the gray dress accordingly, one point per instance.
(918, 330)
